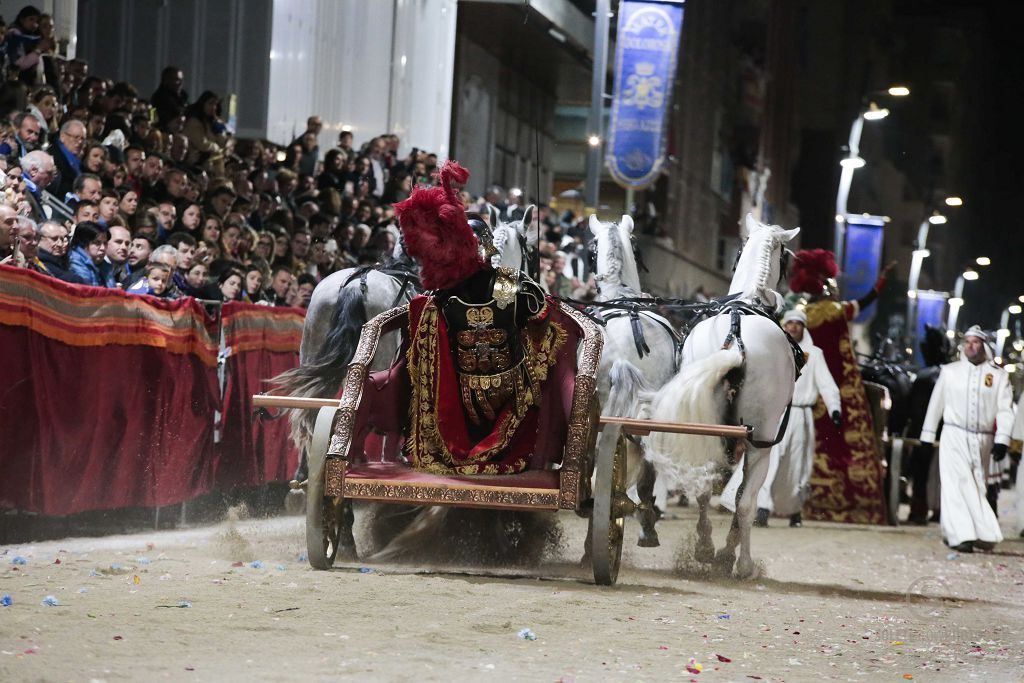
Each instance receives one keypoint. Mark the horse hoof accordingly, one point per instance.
(649, 539)
(725, 559)
(704, 553)
(745, 569)
(347, 553)
(295, 502)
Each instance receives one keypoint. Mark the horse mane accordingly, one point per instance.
(762, 264)
(623, 251)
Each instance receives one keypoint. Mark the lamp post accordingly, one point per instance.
(1003, 333)
(869, 111)
(595, 117)
(917, 260)
(957, 302)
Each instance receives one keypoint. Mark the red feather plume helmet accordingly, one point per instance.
(437, 233)
(811, 270)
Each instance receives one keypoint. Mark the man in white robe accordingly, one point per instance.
(974, 399)
(791, 461)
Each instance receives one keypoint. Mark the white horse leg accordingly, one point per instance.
(704, 551)
(756, 470)
(648, 513)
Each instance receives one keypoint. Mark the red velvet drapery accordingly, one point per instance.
(107, 400)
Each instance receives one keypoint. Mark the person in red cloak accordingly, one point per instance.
(481, 343)
(847, 483)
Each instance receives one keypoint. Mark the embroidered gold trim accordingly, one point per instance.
(506, 286)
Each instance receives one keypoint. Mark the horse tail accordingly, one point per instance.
(322, 375)
(627, 383)
(695, 394)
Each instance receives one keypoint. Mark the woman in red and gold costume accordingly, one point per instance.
(482, 341)
(847, 483)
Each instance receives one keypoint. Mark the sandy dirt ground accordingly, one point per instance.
(237, 601)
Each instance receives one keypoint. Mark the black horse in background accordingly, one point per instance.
(889, 368)
(936, 351)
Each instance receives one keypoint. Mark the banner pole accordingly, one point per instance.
(596, 116)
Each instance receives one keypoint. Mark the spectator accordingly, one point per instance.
(26, 138)
(230, 284)
(221, 200)
(88, 249)
(211, 230)
(109, 202)
(206, 133)
(195, 279)
(281, 280)
(8, 226)
(88, 187)
(52, 251)
(309, 145)
(230, 236)
(306, 284)
(185, 254)
(67, 156)
(152, 170)
(333, 174)
(128, 205)
(300, 242)
(118, 246)
(24, 46)
(166, 214)
(44, 108)
(253, 283)
(138, 258)
(155, 282)
(170, 98)
(95, 158)
(38, 173)
(25, 240)
(87, 211)
(190, 216)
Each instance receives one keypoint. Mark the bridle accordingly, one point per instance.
(785, 256)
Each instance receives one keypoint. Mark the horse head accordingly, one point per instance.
(763, 261)
(615, 267)
(936, 349)
(511, 239)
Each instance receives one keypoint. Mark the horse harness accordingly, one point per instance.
(732, 305)
(737, 309)
(407, 280)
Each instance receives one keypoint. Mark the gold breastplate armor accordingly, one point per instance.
(488, 353)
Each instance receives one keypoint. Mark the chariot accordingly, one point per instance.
(355, 451)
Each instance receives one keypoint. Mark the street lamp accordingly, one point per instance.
(917, 261)
(1003, 333)
(957, 302)
(869, 111)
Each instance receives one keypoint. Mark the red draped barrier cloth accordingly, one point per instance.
(106, 399)
(260, 343)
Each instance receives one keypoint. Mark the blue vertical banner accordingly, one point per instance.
(931, 310)
(647, 45)
(863, 259)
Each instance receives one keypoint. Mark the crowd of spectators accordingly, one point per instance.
(157, 196)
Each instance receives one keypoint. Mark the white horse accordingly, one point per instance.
(721, 382)
(630, 365)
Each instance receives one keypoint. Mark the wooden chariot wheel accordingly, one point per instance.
(323, 513)
(610, 502)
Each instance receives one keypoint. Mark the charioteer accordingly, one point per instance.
(482, 341)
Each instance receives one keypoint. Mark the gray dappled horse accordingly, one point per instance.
(734, 367)
(639, 354)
